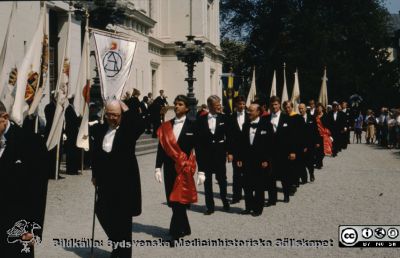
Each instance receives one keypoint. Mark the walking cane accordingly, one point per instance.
(93, 223)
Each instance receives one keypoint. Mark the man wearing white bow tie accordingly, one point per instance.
(212, 129)
(284, 151)
(255, 156)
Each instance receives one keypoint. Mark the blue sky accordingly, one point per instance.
(393, 6)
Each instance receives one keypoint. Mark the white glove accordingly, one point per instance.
(201, 177)
(158, 176)
(64, 137)
(331, 138)
(93, 122)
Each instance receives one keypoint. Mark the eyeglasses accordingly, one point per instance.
(112, 115)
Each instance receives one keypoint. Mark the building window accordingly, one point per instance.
(153, 81)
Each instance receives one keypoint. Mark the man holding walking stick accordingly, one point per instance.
(116, 174)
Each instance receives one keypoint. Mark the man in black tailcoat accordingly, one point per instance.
(284, 151)
(116, 173)
(336, 122)
(185, 137)
(212, 129)
(254, 156)
(144, 107)
(73, 153)
(156, 111)
(312, 141)
(49, 111)
(236, 121)
(349, 120)
(23, 187)
(296, 166)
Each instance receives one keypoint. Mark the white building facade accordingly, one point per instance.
(154, 24)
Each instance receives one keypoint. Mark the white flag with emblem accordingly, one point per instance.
(82, 96)
(8, 66)
(114, 57)
(62, 93)
(29, 73)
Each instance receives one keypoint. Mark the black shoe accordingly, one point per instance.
(292, 191)
(59, 177)
(208, 212)
(256, 214)
(234, 201)
(269, 204)
(312, 178)
(72, 174)
(245, 212)
(286, 199)
(226, 207)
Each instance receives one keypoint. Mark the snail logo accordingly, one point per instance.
(23, 232)
(112, 61)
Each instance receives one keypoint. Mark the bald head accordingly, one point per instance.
(113, 113)
(254, 111)
(302, 109)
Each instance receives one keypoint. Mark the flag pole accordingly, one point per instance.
(57, 160)
(82, 158)
(36, 123)
(93, 222)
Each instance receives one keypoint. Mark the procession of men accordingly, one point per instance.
(262, 146)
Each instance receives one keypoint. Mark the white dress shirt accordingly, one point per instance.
(312, 111)
(275, 120)
(109, 139)
(212, 121)
(3, 139)
(252, 132)
(178, 124)
(305, 118)
(334, 115)
(240, 119)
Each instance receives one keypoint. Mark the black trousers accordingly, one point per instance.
(73, 157)
(179, 222)
(296, 169)
(280, 171)
(254, 193)
(116, 221)
(237, 181)
(308, 163)
(156, 121)
(337, 144)
(220, 175)
(319, 155)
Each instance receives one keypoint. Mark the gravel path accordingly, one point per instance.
(360, 186)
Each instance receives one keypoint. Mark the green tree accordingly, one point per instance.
(350, 37)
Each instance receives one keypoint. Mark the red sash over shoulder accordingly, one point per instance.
(184, 190)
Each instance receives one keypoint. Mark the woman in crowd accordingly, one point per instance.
(326, 146)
